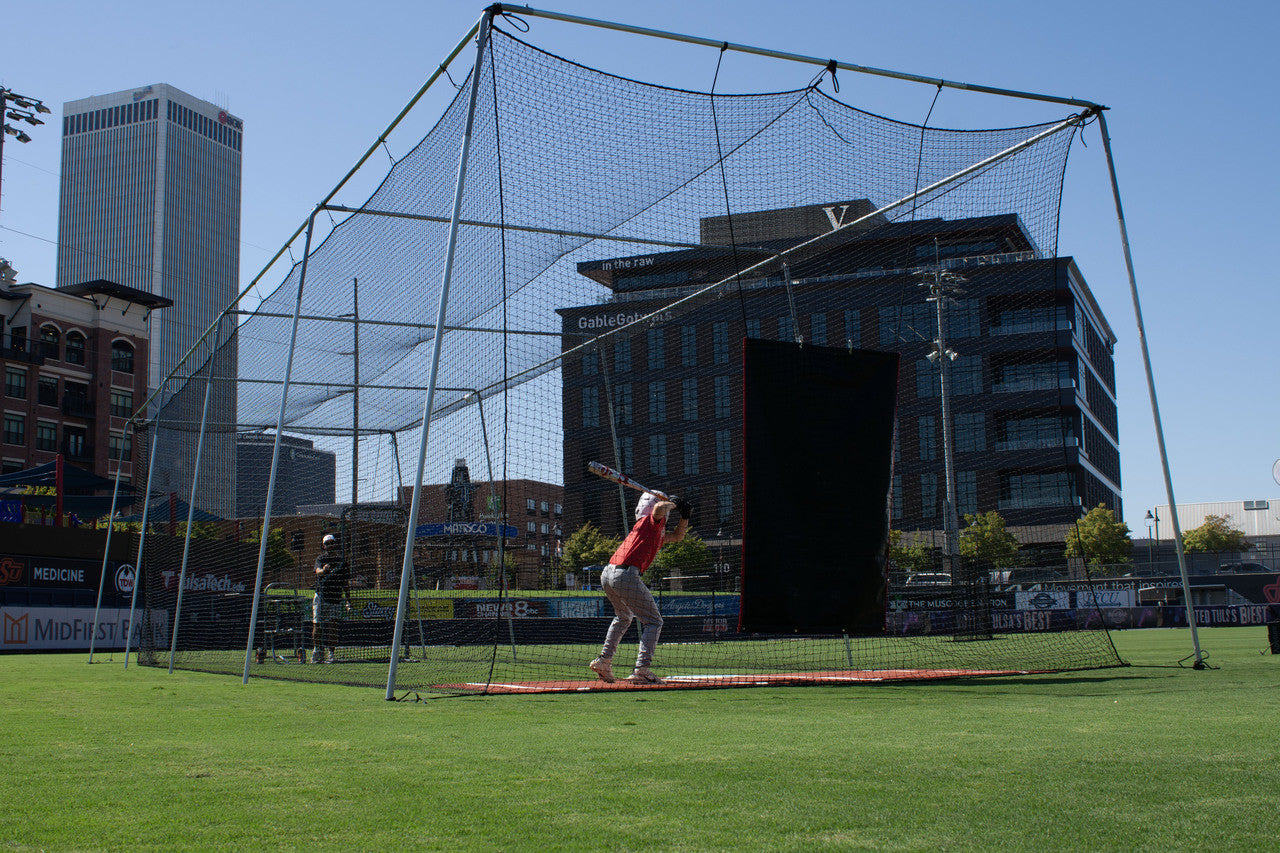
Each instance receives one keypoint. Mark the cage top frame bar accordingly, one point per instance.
(507, 8)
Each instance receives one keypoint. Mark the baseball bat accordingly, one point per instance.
(617, 477)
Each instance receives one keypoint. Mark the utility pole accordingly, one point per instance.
(18, 108)
(943, 286)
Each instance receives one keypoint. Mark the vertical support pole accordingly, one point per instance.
(142, 539)
(106, 552)
(355, 396)
(275, 451)
(482, 41)
(1151, 392)
(191, 502)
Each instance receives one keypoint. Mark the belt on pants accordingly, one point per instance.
(616, 566)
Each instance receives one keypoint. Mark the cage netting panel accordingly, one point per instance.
(618, 241)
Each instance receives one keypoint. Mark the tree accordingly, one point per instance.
(689, 556)
(917, 557)
(203, 530)
(1215, 535)
(985, 538)
(279, 557)
(587, 546)
(1100, 539)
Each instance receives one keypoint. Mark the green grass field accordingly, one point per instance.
(1151, 757)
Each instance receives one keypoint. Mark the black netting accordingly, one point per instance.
(618, 241)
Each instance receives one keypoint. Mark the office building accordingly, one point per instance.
(1032, 384)
(150, 199)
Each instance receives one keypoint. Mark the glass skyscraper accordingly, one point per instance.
(150, 198)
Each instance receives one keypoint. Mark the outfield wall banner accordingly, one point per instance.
(577, 608)
(1043, 600)
(40, 628)
(18, 570)
(1105, 598)
(488, 608)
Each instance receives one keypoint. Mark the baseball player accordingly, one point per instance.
(627, 593)
(333, 590)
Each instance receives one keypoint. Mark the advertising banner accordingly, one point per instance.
(577, 608)
(37, 628)
(384, 609)
(1105, 598)
(489, 608)
(1043, 600)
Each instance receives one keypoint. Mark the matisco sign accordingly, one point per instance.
(465, 528)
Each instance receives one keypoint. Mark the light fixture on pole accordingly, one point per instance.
(943, 287)
(1150, 518)
(24, 109)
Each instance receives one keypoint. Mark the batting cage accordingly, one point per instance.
(850, 344)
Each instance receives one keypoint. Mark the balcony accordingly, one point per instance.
(23, 353)
(1024, 385)
(77, 406)
(1032, 327)
(1038, 443)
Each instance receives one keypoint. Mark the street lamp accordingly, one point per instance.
(1150, 519)
(23, 109)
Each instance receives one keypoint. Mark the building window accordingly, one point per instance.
(967, 493)
(18, 339)
(545, 507)
(1026, 491)
(971, 432)
(591, 407)
(753, 329)
(724, 452)
(622, 404)
(896, 505)
(658, 455)
(15, 382)
(533, 527)
(689, 398)
(929, 495)
(50, 341)
(1034, 434)
(722, 396)
(852, 329)
(724, 504)
(543, 528)
(657, 355)
(74, 443)
(559, 510)
(720, 343)
(657, 402)
(622, 356)
(121, 404)
(689, 346)
(121, 447)
(964, 377)
(530, 505)
(15, 429)
(626, 453)
(121, 356)
(786, 328)
(47, 391)
(75, 348)
(46, 436)
(691, 453)
(590, 363)
(928, 438)
(818, 329)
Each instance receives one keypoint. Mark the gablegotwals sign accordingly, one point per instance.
(613, 321)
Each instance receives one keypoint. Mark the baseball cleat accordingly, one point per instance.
(643, 675)
(602, 668)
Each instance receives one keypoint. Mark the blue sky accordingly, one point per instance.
(1193, 120)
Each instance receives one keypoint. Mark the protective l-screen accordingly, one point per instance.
(818, 441)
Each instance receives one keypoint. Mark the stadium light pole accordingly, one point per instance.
(23, 108)
(943, 286)
(1150, 557)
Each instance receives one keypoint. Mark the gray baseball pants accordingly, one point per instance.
(631, 600)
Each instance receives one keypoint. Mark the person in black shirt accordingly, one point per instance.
(333, 592)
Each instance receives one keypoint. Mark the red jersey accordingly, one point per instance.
(641, 544)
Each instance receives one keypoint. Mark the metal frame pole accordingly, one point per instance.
(1151, 392)
(191, 507)
(142, 540)
(275, 452)
(106, 552)
(406, 569)
(720, 44)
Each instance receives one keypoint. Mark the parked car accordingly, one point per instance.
(1244, 569)
(1025, 576)
(929, 579)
